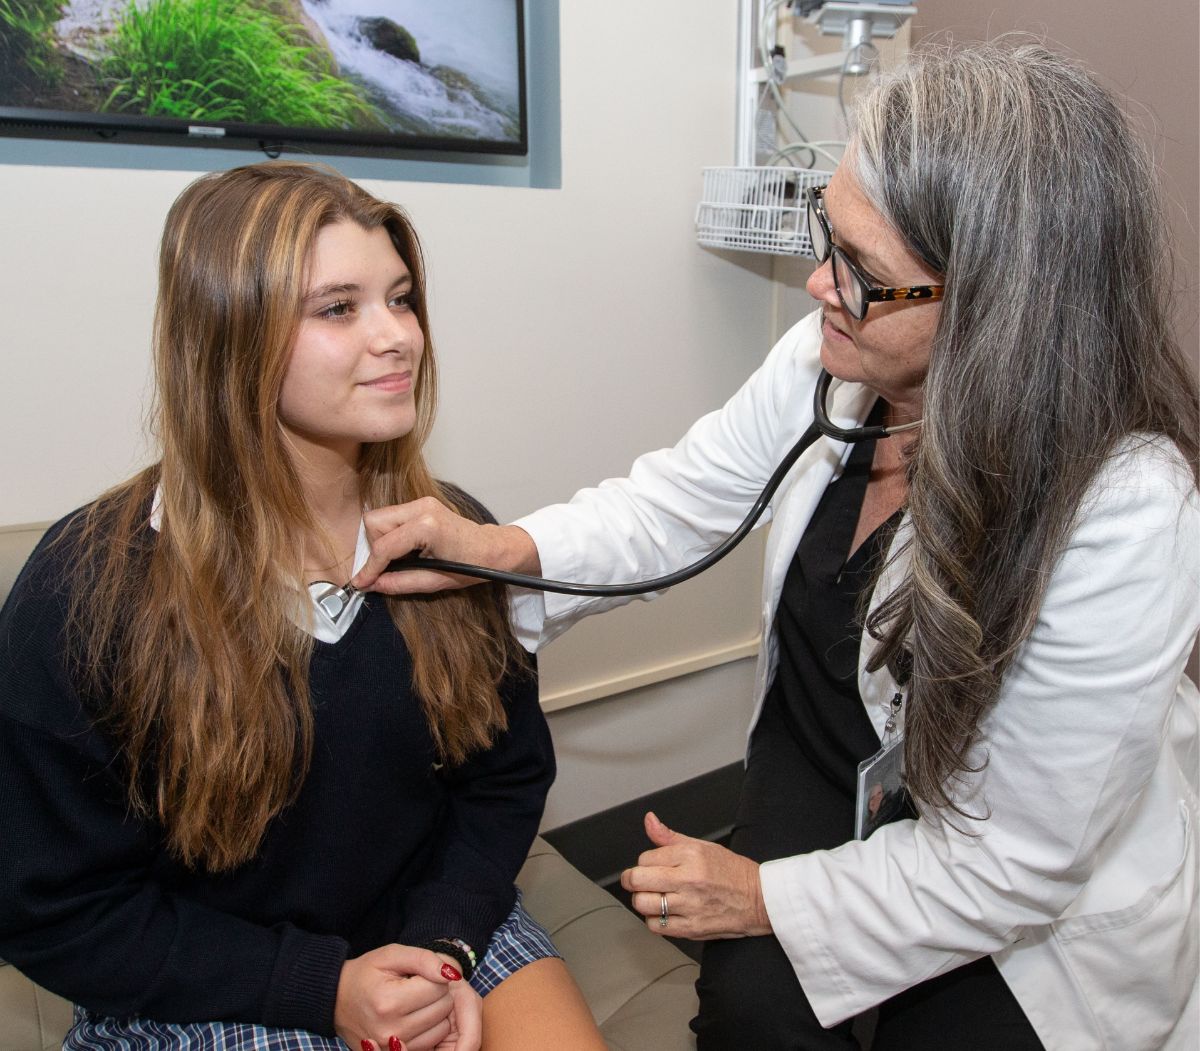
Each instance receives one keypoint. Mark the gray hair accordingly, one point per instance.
(1011, 171)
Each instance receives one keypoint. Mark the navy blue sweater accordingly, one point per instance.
(380, 846)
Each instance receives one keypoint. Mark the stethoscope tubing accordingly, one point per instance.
(821, 425)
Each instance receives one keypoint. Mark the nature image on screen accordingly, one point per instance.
(431, 69)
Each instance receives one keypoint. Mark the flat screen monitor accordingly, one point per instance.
(325, 76)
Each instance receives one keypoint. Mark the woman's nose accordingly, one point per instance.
(820, 284)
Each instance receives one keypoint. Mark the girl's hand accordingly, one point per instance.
(397, 991)
(711, 892)
(427, 527)
(466, 1020)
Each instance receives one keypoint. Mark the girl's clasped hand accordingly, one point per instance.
(412, 995)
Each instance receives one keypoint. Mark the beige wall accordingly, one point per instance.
(1147, 52)
(577, 327)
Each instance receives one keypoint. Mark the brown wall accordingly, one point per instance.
(1148, 52)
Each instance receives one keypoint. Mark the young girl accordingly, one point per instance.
(240, 807)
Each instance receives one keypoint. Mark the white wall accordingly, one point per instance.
(576, 328)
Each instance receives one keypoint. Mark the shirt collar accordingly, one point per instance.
(308, 614)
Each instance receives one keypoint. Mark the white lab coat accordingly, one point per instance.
(1082, 882)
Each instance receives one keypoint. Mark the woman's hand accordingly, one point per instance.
(711, 892)
(406, 993)
(427, 527)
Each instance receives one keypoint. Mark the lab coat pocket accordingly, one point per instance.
(1136, 965)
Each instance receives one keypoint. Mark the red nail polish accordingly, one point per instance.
(394, 1044)
(366, 1045)
(450, 974)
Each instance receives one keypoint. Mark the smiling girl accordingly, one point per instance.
(239, 812)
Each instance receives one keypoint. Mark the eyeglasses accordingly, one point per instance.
(854, 288)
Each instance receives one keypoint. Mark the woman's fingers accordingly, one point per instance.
(710, 891)
(649, 904)
(429, 528)
(652, 878)
(417, 582)
(417, 528)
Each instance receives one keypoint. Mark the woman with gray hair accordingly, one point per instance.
(991, 610)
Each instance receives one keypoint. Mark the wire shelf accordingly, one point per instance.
(757, 209)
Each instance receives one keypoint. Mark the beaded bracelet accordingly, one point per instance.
(462, 953)
(465, 948)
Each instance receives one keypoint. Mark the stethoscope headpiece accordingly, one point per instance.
(847, 434)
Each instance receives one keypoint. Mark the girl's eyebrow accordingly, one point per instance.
(345, 287)
(334, 288)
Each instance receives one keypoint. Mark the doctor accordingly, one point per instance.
(1004, 596)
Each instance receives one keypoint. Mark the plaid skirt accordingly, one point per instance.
(519, 940)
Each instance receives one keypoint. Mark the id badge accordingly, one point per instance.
(880, 787)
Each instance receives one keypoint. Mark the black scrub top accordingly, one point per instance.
(801, 780)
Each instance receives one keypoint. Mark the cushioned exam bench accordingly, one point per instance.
(639, 987)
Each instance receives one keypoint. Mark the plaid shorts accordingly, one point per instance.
(519, 940)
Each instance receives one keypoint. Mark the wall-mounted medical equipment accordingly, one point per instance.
(757, 205)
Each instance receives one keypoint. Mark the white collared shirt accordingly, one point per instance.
(309, 615)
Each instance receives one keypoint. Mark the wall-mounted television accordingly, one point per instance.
(326, 76)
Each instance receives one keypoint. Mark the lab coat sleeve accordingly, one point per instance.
(1072, 742)
(676, 504)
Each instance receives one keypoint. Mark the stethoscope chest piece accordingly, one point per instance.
(331, 599)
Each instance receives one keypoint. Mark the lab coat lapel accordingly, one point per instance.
(794, 505)
(878, 688)
(806, 482)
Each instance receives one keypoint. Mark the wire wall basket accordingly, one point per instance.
(757, 209)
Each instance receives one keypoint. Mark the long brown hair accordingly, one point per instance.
(1014, 173)
(187, 636)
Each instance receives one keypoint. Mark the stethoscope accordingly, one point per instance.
(821, 425)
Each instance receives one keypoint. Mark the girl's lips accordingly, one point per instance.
(393, 383)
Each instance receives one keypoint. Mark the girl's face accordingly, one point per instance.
(889, 349)
(353, 366)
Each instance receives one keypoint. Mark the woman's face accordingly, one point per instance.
(353, 366)
(889, 349)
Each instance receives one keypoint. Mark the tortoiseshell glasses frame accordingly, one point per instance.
(854, 288)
